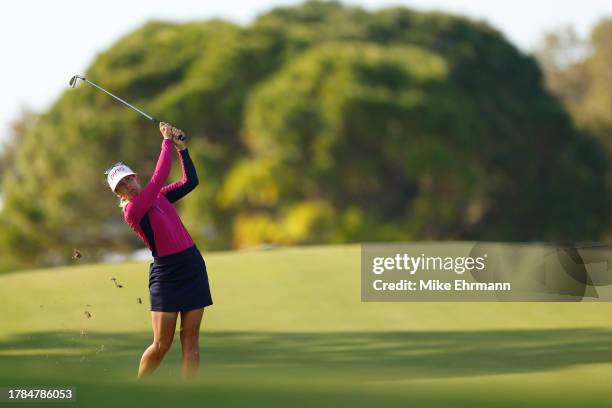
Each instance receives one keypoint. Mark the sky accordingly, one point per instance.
(43, 43)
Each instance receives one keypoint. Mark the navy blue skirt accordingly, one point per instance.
(179, 282)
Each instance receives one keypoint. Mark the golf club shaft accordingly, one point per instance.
(151, 118)
(75, 78)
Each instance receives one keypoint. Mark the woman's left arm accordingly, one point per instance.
(179, 189)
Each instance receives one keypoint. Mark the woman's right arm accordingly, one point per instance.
(138, 207)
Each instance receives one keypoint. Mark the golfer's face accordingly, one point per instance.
(128, 187)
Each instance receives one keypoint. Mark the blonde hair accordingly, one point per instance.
(123, 202)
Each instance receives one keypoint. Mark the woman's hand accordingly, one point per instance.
(166, 130)
(179, 143)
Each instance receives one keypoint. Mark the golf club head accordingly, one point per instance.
(74, 80)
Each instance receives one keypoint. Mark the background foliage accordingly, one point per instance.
(317, 123)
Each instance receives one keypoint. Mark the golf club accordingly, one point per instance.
(73, 84)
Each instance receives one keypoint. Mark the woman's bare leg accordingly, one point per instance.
(164, 325)
(190, 334)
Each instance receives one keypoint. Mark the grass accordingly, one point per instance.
(288, 328)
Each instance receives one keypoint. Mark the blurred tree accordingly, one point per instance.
(372, 133)
(18, 128)
(596, 112)
(317, 123)
(561, 54)
(578, 72)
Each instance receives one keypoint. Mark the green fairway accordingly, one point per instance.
(288, 329)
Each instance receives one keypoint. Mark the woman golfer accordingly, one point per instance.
(178, 282)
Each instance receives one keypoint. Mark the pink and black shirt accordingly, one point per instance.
(151, 213)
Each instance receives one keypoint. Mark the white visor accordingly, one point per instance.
(116, 174)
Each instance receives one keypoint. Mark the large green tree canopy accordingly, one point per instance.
(316, 123)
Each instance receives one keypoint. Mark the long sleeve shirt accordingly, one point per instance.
(152, 216)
